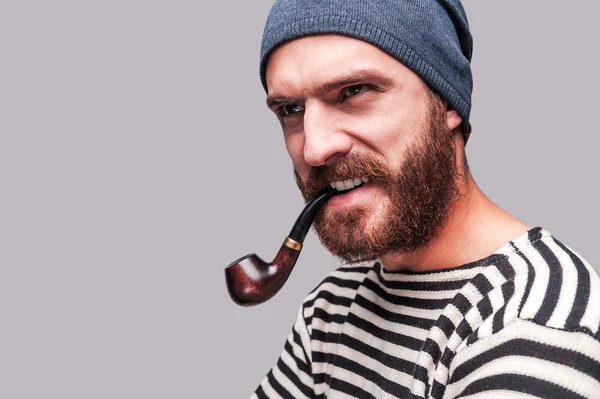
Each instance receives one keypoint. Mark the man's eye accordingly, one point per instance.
(289, 109)
(354, 90)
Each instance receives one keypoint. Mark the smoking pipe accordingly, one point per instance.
(251, 280)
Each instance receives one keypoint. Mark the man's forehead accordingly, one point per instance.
(321, 61)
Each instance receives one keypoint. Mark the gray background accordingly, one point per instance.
(137, 159)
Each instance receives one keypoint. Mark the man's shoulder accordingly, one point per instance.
(536, 278)
(560, 289)
(537, 327)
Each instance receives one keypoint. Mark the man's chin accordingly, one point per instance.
(348, 234)
(351, 251)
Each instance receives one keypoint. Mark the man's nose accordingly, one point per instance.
(324, 139)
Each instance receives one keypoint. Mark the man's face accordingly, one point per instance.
(351, 113)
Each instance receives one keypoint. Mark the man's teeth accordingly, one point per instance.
(348, 184)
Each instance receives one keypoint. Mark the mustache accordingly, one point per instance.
(354, 165)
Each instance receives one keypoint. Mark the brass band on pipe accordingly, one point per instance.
(292, 244)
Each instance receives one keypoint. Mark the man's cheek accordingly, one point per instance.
(294, 144)
(301, 171)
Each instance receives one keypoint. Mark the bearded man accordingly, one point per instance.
(445, 294)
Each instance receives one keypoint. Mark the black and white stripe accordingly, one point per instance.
(522, 322)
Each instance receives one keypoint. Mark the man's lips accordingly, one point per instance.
(348, 184)
(340, 187)
(361, 193)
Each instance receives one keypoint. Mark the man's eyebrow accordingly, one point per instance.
(353, 78)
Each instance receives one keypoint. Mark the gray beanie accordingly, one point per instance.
(431, 37)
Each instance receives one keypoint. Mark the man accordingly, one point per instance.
(446, 294)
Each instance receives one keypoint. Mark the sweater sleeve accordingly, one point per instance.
(528, 360)
(291, 377)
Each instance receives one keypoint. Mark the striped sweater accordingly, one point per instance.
(523, 322)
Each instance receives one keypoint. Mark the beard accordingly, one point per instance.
(416, 204)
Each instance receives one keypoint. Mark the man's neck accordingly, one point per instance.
(476, 227)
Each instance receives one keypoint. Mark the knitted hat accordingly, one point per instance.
(431, 37)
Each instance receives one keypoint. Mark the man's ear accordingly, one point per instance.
(453, 119)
